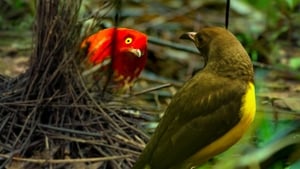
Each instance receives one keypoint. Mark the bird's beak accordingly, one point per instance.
(189, 36)
(136, 52)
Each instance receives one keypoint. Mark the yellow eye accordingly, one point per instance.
(128, 40)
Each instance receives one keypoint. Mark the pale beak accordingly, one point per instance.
(188, 35)
(136, 52)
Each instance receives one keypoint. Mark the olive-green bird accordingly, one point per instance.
(211, 112)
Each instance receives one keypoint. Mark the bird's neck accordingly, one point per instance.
(238, 69)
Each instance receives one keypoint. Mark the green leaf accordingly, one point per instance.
(294, 63)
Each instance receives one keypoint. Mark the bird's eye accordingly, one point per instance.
(200, 38)
(128, 40)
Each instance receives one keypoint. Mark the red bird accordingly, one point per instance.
(129, 49)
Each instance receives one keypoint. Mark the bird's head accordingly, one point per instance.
(219, 47)
(130, 53)
(131, 43)
(214, 43)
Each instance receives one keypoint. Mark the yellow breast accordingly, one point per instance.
(231, 137)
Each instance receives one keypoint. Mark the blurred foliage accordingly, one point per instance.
(16, 14)
(280, 37)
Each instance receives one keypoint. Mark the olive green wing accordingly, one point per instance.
(200, 113)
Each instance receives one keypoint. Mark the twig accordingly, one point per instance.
(193, 50)
(60, 161)
(70, 130)
(96, 67)
(161, 42)
(152, 89)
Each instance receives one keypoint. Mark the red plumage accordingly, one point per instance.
(129, 53)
